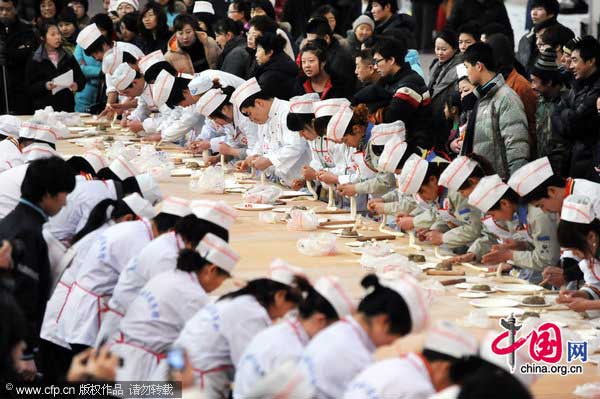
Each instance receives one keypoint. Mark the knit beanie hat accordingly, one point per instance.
(363, 19)
(568, 48)
(545, 66)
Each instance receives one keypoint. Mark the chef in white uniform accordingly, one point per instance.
(284, 382)
(216, 337)
(161, 255)
(325, 303)
(158, 314)
(94, 283)
(340, 352)
(10, 150)
(281, 153)
(146, 103)
(416, 375)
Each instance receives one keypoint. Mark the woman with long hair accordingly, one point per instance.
(153, 30)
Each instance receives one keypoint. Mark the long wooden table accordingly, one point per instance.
(259, 243)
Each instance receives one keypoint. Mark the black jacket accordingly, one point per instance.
(234, 57)
(278, 76)
(340, 66)
(576, 120)
(32, 273)
(20, 42)
(399, 25)
(528, 51)
(40, 70)
(482, 11)
(149, 44)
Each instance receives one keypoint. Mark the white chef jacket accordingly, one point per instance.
(10, 154)
(80, 202)
(225, 78)
(329, 156)
(286, 150)
(118, 46)
(97, 276)
(154, 320)
(10, 192)
(587, 188)
(181, 122)
(145, 105)
(53, 324)
(267, 350)
(219, 333)
(157, 257)
(335, 356)
(403, 377)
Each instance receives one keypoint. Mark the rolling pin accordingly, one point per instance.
(376, 238)
(431, 272)
(453, 281)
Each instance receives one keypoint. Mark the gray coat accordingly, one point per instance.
(446, 81)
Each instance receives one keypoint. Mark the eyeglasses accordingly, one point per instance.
(376, 61)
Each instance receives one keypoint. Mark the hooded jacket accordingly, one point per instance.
(234, 57)
(279, 76)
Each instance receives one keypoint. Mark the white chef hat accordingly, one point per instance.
(337, 125)
(203, 6)
(286, 381)
(36, 131)
(122, 77)
(218, 252)
(175, 206)
(457, 172)
(161, 89)
(303, 104)
(329, 107)
(200, 84)
(531, 175)
(217, 212)
(112, 59)
(577, 209)
(380, 134)
(88, 35)
(141, 207)
(121, 167)
(413, 174)
(331, 289)
(488, 191)
(461, 71)
(148, 60)
(447, 338)
(210, 101)
(245, 91)
(95, 159)
(521, 355)
(283, 272)
(412, 293)
(10, 125)
(133, 3)
(392, 153)
(149, 187)
(39, 151)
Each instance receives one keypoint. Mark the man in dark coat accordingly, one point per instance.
(43, 193)
(389, 23)
(17, 43)
(234, 57)
(482, 11)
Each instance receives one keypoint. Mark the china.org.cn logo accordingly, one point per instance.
(545, 346)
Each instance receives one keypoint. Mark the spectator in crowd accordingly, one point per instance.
(365, 71)
(564, 65)
(546, 82)
(317, 78)
(13, 332)
(258, 26)
(275, 66)
(153, 30)
(543, 14)
(443, 79)
(80, 7)
(190, 51)
(425, 13)
(493, 28)
(128, 28)
(20, 42)
(505, 65)
(43, 193)
(497, 127)
(49, 61)
(92, 70)
(484, 12)
(170, 11)
(123, 7)
(389, 22)
(362, 29)
(296, 12)
(67, 24)
(239, 10)
(234, 57)
(330, 14)
(47, 12)
(206, 18)
(468, 34)
(556, 36)
(575, 118)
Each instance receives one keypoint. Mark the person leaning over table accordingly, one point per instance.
(49, 61)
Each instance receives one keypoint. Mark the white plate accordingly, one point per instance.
(253, 207)
(292, 193)
(337, 226)
(338, 233)
(494, 303)
(199, 161)
(78, 128)
(426, 265)
(473, 295)
(284, 209)
(487, 292)
(84, 114)
(181, 172)
(518, 288)
(463, 286)
(536, 306)
(504, 312)
(357, 244)
(234, 190)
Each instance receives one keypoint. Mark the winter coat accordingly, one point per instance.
(149, 43)
(91, 69)
(576, 120)
(548, 142)
(500, 133)
(399, 24)
(522, 87)
(527, 51)
(446, 82)
(234, 58)
(182, 62)
(40, 70)
(279, 75)
(482, 11)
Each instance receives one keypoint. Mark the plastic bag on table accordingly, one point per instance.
(433, 289)
(393, 264)
(377, 248)
(270, 217)
(210, 180)
(118, 148)
(477, 318)
(262, 194)
(590, 390)
(302, 220)
(322, 244)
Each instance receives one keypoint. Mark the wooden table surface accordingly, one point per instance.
(259, 243)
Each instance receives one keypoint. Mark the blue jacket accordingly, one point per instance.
(91, 70)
